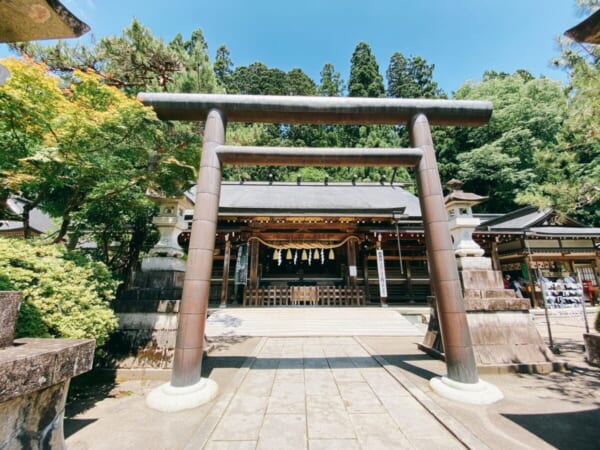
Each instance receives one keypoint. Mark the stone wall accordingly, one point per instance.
(34, 420)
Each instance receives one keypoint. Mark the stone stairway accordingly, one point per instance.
(306, 321)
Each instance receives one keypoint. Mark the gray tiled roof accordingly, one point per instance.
(516, 220)
(565, 231)
(38, 219)
(334, 199)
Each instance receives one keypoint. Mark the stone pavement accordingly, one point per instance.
(367, 392)
(310, 321)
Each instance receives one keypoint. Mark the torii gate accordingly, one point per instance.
(187, 389)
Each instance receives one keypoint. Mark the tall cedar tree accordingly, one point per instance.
(411, 78)
(365, 79)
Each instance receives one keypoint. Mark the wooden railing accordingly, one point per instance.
(305, 295)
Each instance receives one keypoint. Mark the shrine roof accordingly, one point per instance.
(536, 222)
(586, 31)
(306, 198)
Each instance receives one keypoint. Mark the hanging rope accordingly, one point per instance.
(303, 245)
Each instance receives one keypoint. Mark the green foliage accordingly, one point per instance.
(332, 84)
(223, 67)
(258, 79)
(365, 79)
(197, 73)
(89, 157)
(572, 183)
(411, 78)
(5, 283)
(299, 83)
(507, 157)
(64, 294)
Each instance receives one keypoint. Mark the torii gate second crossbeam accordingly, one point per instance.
(187, 389)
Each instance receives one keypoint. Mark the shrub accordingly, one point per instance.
(65, 294)
(597, 324)
(5, 284)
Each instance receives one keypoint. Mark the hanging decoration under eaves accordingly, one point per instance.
(303, 245)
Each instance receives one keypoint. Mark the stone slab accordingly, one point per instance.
(283, 431)
(309, 321)
(163, 263)
(474, 263)
(34, 364)
(497, 304)
(481, 279)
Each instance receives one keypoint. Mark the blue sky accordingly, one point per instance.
(461, 37)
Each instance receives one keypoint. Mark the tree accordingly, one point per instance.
(223, 68)
(137, 61)
(134, 62)
(411, 78)
(298, 83)
(572, 184)
(93, 147)
(258, 79)
(505, 157)
(196, 74)
(331, 84)
(365, 79)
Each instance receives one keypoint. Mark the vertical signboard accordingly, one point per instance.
(241, 265)
(381, 273)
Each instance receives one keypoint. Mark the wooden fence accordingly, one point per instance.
(305, 295)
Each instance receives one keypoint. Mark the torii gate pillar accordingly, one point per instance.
(187, 389)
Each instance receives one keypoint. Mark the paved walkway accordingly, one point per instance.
(365, 392)
(321, 393)
(290, 393)
(307, 321)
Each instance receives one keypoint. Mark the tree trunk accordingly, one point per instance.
(25, 218)
(64, 227)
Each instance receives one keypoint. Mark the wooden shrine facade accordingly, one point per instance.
(320, 248)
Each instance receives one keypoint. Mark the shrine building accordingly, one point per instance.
(318, 244)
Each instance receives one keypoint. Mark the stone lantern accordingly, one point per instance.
(460, 219)
(167, 254)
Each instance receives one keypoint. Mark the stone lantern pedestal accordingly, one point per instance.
(504, 336)
(148, 310)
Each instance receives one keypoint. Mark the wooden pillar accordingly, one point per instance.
(253, 249)
(352, 270)
(496, 265)
(531, 290)
(225, 281)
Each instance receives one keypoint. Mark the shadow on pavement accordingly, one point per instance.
(404, 362)
(573, 430)
(84, 392)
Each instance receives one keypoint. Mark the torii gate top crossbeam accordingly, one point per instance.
(317, 110)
